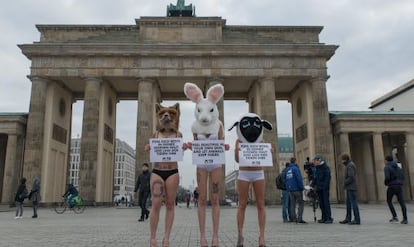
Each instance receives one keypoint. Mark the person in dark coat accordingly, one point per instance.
(394, 180)
(34, 196)
(294, 185)
(143, 185)
(21, 194)
(351, 187)
(71, 192)
(322, 184)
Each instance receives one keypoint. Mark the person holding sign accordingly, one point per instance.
(164, 177)
(250, 130)
(208, 128)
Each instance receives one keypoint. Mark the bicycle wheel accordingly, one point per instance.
(60, 207)
(79, 206)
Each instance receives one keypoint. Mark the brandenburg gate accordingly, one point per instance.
(150, 61)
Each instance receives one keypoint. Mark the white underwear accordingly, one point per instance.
(209, 168)
(251, 176)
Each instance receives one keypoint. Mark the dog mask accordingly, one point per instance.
(250, 128)
(168, 117)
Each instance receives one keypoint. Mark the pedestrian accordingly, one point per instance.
(34, 196)
(394, 180)
(188, 198)
(250, 129)
(143, 188)
(351, 187)
(322, 185)
(294, 185)
(286, 214)
(21, 194)
(196, 194)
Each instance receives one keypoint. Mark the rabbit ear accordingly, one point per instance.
(193, 92)
(215, 93)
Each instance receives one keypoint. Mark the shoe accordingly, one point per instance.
(240, 241)
(393, 220)
(354, 223)
(405, 222)
(141, 219)
(344, 222)
(20, 217)
(34, 216)
(330, 221)
(17, 217)
(285, 221)
(302, 222)
(321, 221)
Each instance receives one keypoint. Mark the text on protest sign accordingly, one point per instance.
(208, 152)
(166, 149)
(255, 154)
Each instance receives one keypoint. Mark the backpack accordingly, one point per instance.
(280, 181)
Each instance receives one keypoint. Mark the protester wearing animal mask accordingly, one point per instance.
(250, 129)
(207, 126)
(164, 177)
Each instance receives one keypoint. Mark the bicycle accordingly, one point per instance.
(78, 207)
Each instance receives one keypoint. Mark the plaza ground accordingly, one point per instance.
(119, 227)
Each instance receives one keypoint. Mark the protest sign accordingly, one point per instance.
(255, 154)
(166, 149)
(208, 152)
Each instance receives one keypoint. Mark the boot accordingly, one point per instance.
(141, 219)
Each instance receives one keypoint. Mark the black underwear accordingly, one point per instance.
(165, 174)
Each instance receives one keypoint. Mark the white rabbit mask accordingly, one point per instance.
(206, 111)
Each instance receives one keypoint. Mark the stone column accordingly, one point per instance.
(11, 171)
(89, 141)
(409, 138)
(342, 149)
(33, 154)
(145, 120)
(267, 112)
(369, 169)
(379, 164)
(220, 105)
(322, 130)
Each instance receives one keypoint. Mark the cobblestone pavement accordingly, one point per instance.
(119, 227)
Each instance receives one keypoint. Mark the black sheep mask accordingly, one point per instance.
(250, 128)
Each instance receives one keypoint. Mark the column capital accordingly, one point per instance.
(92, 78)
(319, 78)
(264, 79)
(38, 78)
(214, 80)
(146, 79)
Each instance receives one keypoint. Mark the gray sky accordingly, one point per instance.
(374, 57)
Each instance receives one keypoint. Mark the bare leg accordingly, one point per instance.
(243, 190)
(157, 190)
(259, 189)
(171, 186)
(202, 175)
(216, 176)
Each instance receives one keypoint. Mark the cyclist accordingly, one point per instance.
(71, 193)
